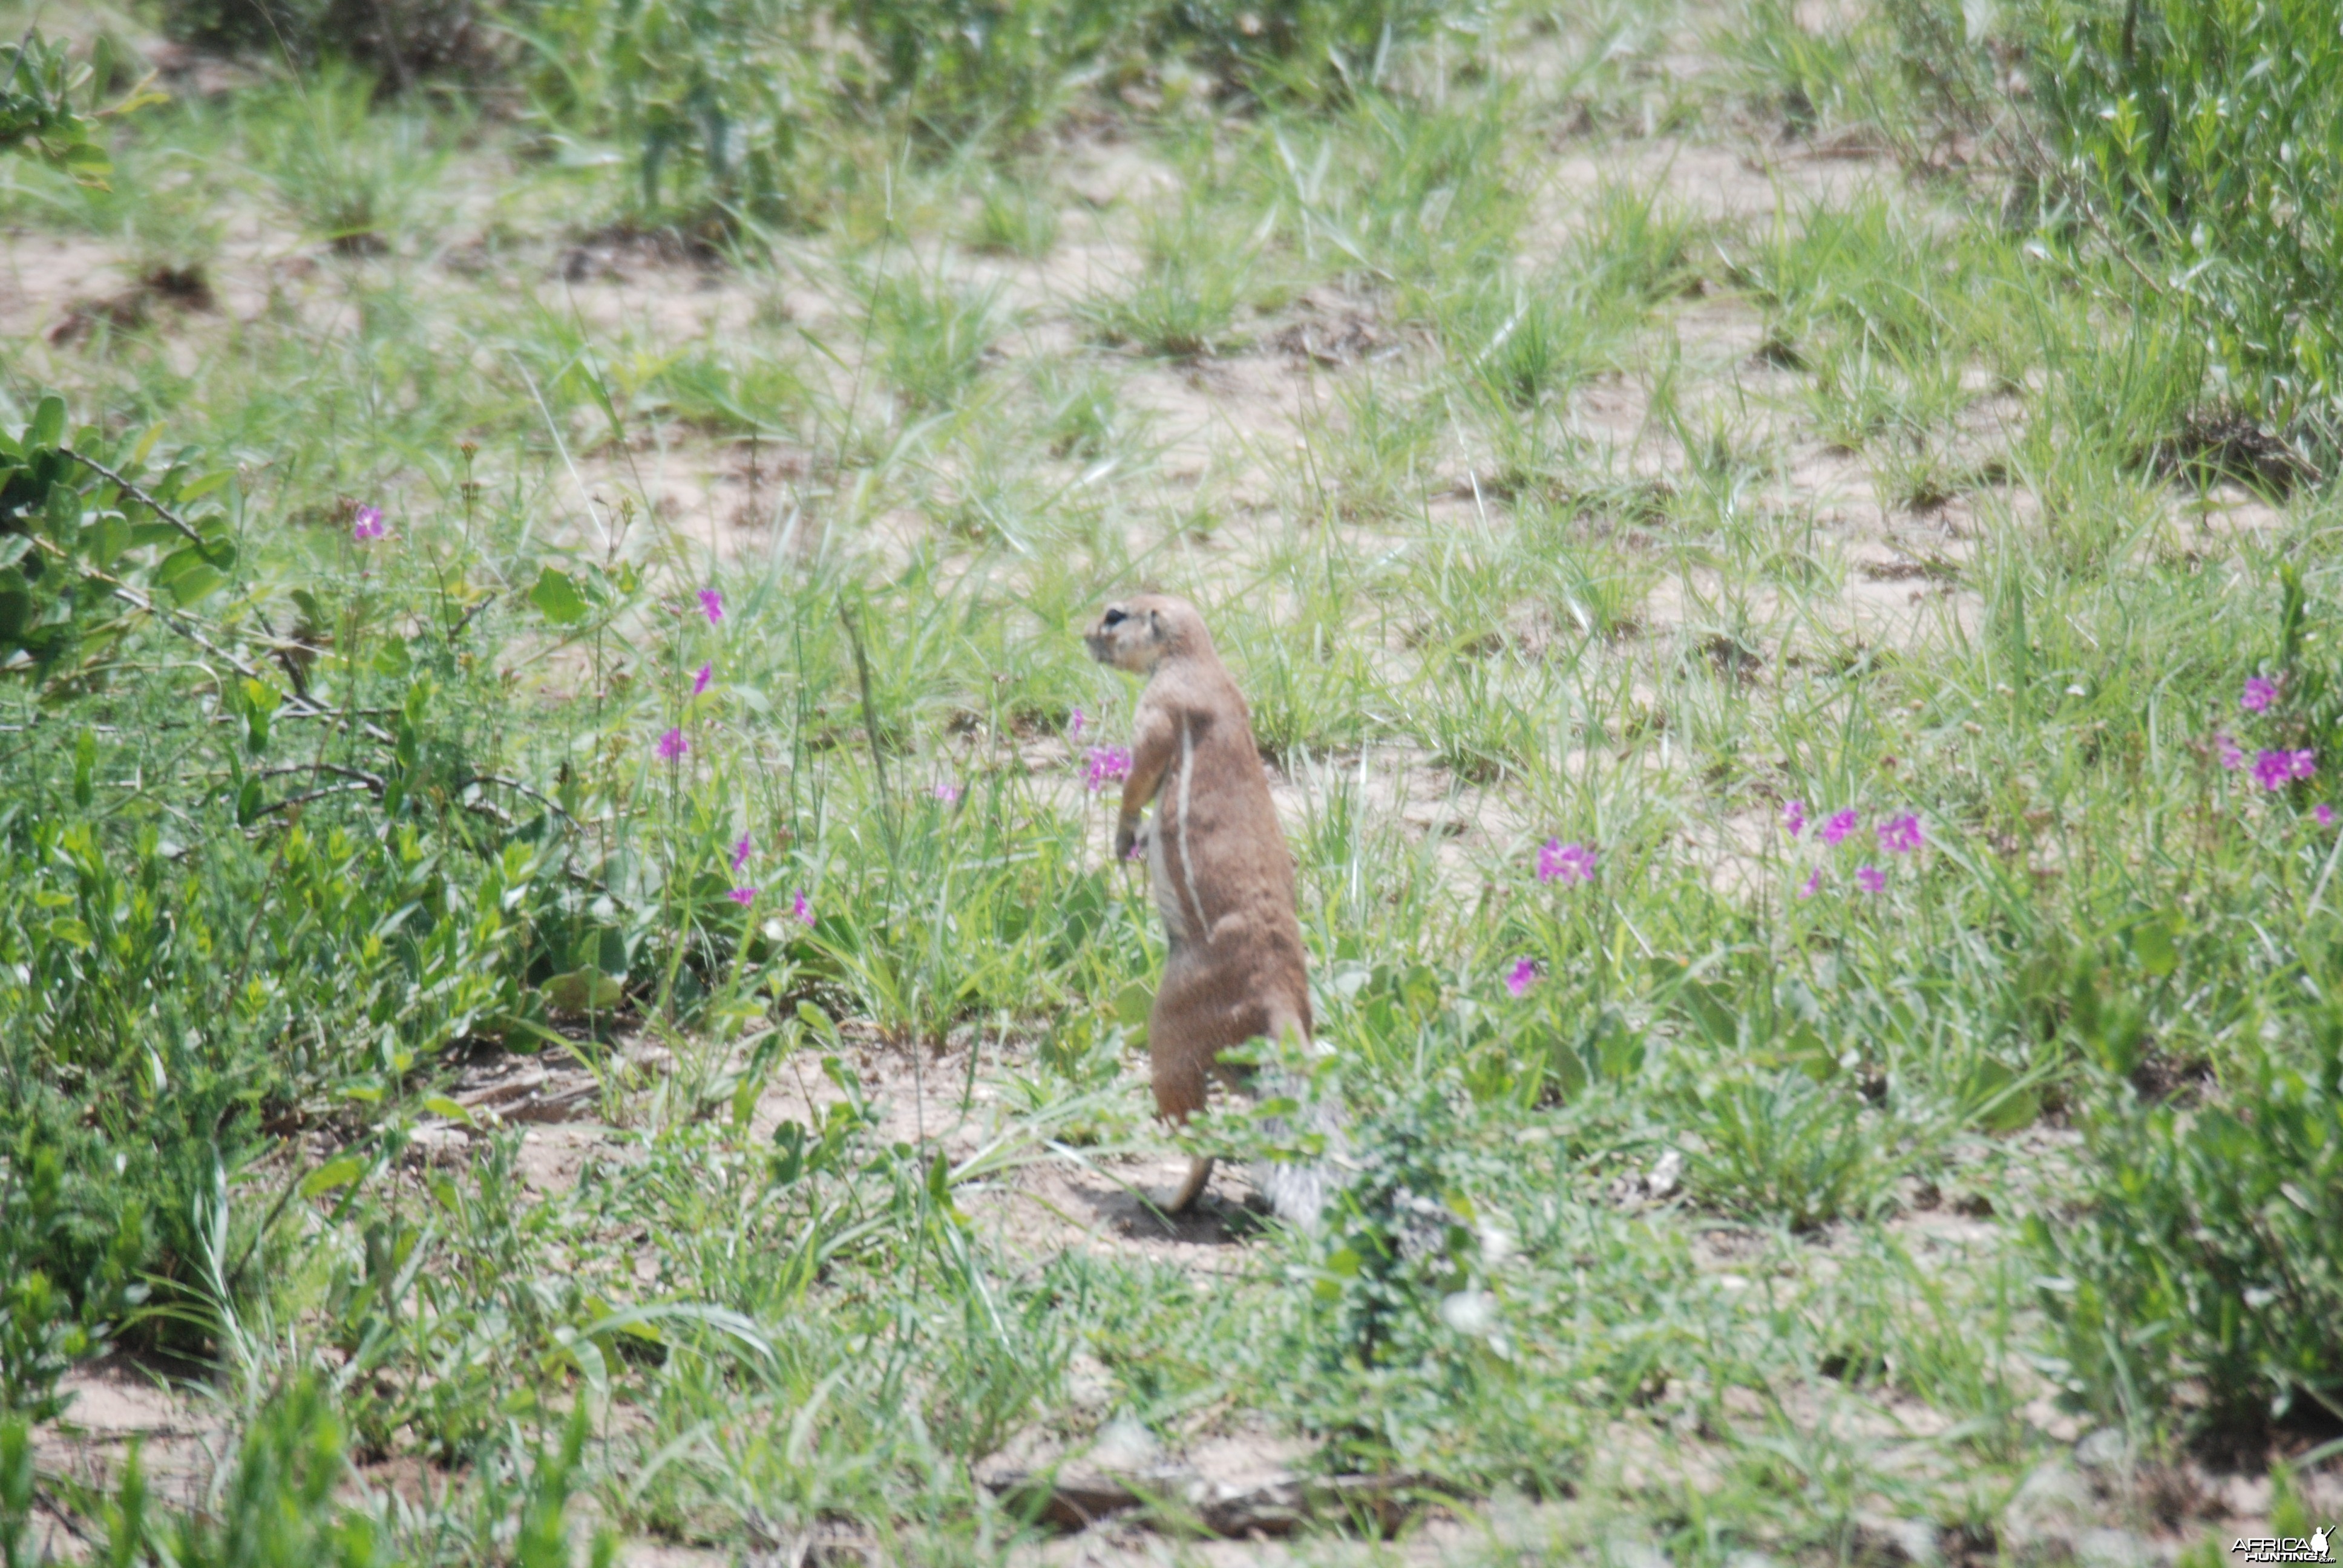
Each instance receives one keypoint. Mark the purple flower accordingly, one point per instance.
(946, 792)
(367, 523)
(1900, 835)
(1106, 765)
(711, 604)
(672, 745)
(1873, 878)
(1521, 977)
(744, 897)
(1794, 818)
(699, 682)
(1074, 722)
(1812, 885)
(2306, 764)
(2258, 695)
(1569, 863)
(800, 910)
(740, 853)
(2272, 770)
(2324, 813)
(2233, 755)
(1838, 827)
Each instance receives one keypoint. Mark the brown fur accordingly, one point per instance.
(1216, 857)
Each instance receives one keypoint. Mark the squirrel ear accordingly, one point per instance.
(1155, 620)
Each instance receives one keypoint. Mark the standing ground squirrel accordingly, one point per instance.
(1219, 867)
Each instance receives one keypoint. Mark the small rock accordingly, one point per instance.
(1665, 1173)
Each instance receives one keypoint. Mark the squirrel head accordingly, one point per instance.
(1141, 633)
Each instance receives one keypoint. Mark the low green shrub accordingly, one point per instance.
(2207, 1255)
(2204, 133)
(403, 42)
(708, 99)
(1313, 47)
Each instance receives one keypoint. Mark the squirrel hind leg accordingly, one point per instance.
(1199, 1176)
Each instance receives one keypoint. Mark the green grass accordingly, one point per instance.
(1797, 1193)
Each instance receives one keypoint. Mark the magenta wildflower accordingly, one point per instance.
(672, 745)
(1521, 977)
(1812, 885)
(743, 896)
(946, 792)
(711, 604)
(1794, 818)
(1568, 863)
(2324, 813)
(699, 682)
(1074, 722)
(2258, 694)
(740, 853)
(800, 909)
(2233, 755)
(1900, 835)
(1106, 765)
(1873, 878)
(367, 524)
(1839, 826)
(2304, 764)
(2272, 770)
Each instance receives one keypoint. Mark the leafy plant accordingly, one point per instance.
(1315, 48)
(709, 99)
(2202, 132)
(85, 546)
(37, 115)
(963, 66)
(2207, 1250)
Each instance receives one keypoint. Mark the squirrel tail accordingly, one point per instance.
(1298, 1191)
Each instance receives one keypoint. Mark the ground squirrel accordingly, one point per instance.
(1219, 867)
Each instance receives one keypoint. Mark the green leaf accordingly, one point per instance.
(61, 512)
(557, 597)
(195, 585)
(1132, 1004)
(441, 1105)
(48, 423)
(335, 1172)
(108, 537)
(1998, 1104)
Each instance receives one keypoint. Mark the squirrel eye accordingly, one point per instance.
(1115, 616)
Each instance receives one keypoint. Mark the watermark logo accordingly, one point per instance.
(2316, 1547)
